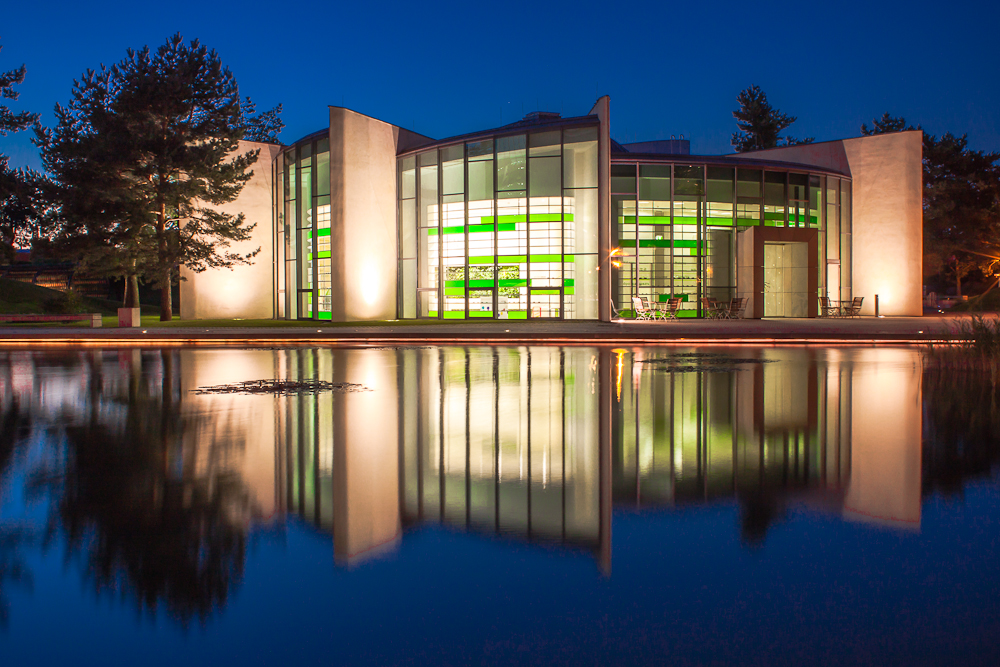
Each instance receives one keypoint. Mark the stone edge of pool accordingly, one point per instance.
(818, 331)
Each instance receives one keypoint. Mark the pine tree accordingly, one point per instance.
(143, 153)
(760, 124)
(18, 187)
(886, 124)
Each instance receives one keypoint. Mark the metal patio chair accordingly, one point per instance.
(708, 307)
(826, 307)
(854, 308)
(642, 312)
(672, 306)
(735, 310)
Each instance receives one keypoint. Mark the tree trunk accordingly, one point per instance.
(166, 308)
(131, 291)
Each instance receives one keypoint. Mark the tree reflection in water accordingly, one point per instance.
(15, 425)
(530, 443)
(143, 500)
(961, 428)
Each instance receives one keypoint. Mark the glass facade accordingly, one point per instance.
(674, 226)
(506, 226)
(304, 287)
(501, 227)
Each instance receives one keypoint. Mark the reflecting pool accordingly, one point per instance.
(429, 505)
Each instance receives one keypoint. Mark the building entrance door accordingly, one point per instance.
(786, 280)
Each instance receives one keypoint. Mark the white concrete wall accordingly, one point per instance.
(245, 291)
(887, 212)
(888, 221)
(363, 216)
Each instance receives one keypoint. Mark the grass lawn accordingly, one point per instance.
(153, 321)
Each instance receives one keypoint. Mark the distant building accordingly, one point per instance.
(549, 218)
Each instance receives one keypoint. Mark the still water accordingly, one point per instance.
(456, 505)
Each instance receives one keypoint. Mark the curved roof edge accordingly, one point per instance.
(519, 127)
(725, 160)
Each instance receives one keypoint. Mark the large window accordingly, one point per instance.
(503, 227)
(305, 288)
(675, 227)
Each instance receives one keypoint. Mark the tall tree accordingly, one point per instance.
(760, 124)
(887, 123)
(17, 186)
(961, 201)
(961, 205)
(263, 127)
(155, 138)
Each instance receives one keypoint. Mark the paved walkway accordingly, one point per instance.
(819, 330)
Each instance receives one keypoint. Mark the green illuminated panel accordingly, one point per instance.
(513, 282)
(517, 314)
(545, 291)
(512, 259)
(546, 258)
(326, 316)
(659, 243)
(454, 315)
(323, 232)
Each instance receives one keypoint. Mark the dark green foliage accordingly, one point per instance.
(961, 207)
(67, 303)
(886, 124)
(18, 187)
(760, 124)
(264, 127)
(143, 154)
(18, 298)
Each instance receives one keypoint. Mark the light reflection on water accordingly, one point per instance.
(156, 493)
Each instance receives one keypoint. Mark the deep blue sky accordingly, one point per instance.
(451, 67)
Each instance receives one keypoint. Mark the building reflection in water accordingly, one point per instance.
(154, 486)
(537, 442)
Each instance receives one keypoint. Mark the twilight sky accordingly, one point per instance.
(446, 68)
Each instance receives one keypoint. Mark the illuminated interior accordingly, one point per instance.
(501, 227)
(676, 225)
(506, 224)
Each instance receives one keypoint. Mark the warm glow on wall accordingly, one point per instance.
(369, 284)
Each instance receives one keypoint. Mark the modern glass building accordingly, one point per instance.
(681, 222)
(549, 218)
